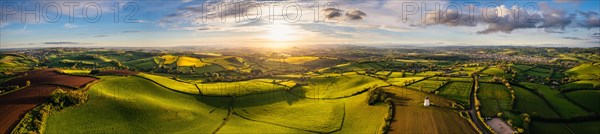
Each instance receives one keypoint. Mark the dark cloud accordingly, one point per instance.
(355, 15)
(574, 38)
(332, 13)
(591, 19)
(507, 19)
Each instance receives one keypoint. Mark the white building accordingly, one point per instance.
(426, 103)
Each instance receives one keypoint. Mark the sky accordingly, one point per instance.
(280, 23)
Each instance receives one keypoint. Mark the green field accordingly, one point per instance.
(142, 64)
(427, 85)
(171, 84)
(532, 104)
(587, 127)
(297, 60)
(586, 98)
(136, 105)
(521, 67)
(338, 86)
(429, 73)
(458, 91)
(579, 85)
(495, 98)
(495, 71)
(461, 79)
(585, 71)
(284, 109)
(404, 80)
(240, 88)
(562, 106)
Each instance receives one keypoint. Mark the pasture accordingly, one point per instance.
(586, 98)
(585, 71)
(532, 104)
(563, 107)
(116, 102)
(495, 98)
(403, 81)
(458, 91)
(338, 86)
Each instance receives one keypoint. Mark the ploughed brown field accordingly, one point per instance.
(14, 105)
(50, 76)
(410, 116)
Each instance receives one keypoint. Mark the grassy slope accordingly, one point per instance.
(563, 106)
(360, 117)
(339, 86)
(585, 71)
(583, 84)
(586, 98)
(136, 105)
(172, 84)
(284, 109)
(528, 102)
(239, 88)
(190, 61)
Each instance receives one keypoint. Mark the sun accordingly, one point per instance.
(281, 32)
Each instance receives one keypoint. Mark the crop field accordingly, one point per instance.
(528, 102)
(117, 101)
(49, 76)
(427, 85)
(563, 107)
(581, 85)
(458, 91)
(297, 60)
(403, 81)
(185, 61)
(75, 72)
(412, 117)
(585, 71)
(495, 98)
(339, 86)
(168, 59)
(586, 98)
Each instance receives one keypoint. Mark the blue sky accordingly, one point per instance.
(564, 23)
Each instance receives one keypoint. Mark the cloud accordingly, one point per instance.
(332, 13)
(574, 38)
(70, 26)
(4, 24)
(505, 20)
(62, 43)
(131, 31)
(591, 19)
(355, 15)
(101, 35)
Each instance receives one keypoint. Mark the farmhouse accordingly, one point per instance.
(426, 103)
